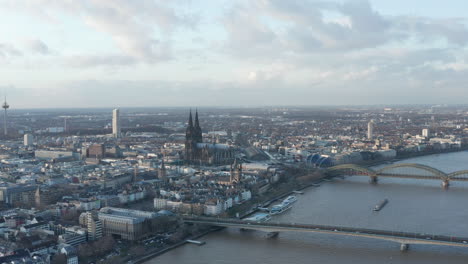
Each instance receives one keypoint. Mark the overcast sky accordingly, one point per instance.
(122, 53)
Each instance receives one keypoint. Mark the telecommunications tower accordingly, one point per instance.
(5, 106)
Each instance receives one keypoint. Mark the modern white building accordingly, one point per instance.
(214, 207)
(426, 133)
(370, 129)
(94, 226)
(160, 203)
(246, 195)
(54, 154)
(28, 140)
(126, 223)
(116, 123)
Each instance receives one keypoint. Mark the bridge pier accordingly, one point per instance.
(404, 247)
(373, 179)
(445, 184)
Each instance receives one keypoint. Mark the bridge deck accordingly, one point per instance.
(396, 236)
(426, 172)
(409, 176)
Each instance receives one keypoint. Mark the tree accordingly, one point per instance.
(104, 244)
(85, 251)
(59, 259)
(137, 251)
(114, 260)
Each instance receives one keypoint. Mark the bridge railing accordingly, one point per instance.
(366, 231)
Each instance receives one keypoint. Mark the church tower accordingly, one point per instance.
(162, 171)
(198, 137)
(190, 143)
(236, 171)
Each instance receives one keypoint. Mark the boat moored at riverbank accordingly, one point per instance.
(259, 218)
(285, 205)
(290, 199)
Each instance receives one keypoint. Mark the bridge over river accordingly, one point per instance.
(401, 170)
(403, 238)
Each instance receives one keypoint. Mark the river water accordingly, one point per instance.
(414, 206)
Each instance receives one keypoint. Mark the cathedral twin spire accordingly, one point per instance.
(194, 132)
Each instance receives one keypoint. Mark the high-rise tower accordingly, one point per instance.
(65, 124)
(426, 132)
(370, 129)
(116, 123)
(93, 225)
(5, 106)
(28, 140)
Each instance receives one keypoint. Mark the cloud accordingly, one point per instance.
(8, 50)
(242, 53)
(275, 27)
(88, 61)
(131, 24)
(453, 31)
(245, 29)
(140, 29)
(368, 86)
(38, 46)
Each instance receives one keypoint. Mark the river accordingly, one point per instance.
(414, 206)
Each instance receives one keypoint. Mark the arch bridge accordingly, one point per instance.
(401, 170)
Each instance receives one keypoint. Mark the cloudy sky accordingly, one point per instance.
(121, 53)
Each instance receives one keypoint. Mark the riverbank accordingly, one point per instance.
(407, 155)
(266, 202)
(349, 202)
(281, 191)
(171, 247)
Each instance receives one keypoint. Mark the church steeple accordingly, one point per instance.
(189, 132)
(236, 172)
(190, 141)
(197, 129)
(162, 170)
(197, 123)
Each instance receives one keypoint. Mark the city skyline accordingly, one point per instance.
(232, 53)
(334, 131)
(127, 186)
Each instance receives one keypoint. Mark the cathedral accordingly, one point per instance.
(199, 153)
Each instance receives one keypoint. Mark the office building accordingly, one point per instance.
(126, 223)
(28, 140)
(370, 129)
(14, 194)
(116, 123)
(55, 154)
(425, 132)
(93, 225)
(96, 151)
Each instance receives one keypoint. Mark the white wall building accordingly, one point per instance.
(425, 132)
(116, 123)
(214, 208)
(160, 203)
(246, 195)
(28, 140)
